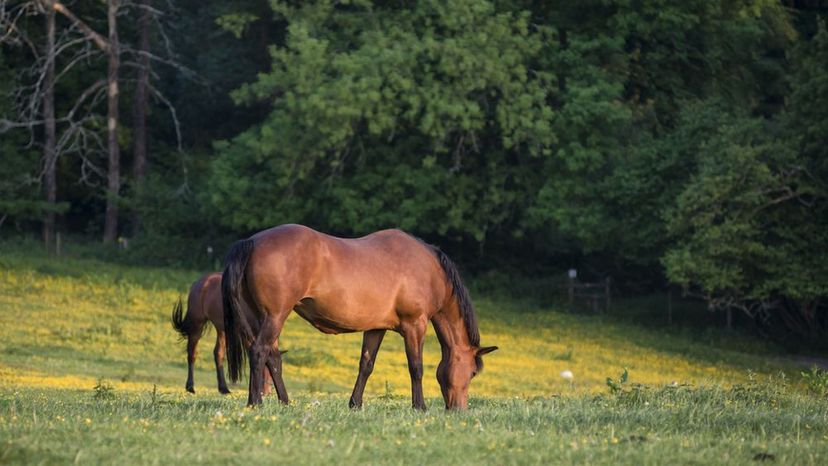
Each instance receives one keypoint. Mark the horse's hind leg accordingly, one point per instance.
(192, 349)
(263, 349)
(257, 360)
(371, 341)
(218, 356)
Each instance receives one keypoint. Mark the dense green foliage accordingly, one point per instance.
(394, 117)
(654, 141)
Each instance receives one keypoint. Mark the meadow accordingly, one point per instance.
(92, 372)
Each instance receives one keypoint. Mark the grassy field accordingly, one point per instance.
(91, 372)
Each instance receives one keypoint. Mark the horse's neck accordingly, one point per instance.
(450, 328)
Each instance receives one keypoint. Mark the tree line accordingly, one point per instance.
(657, 141)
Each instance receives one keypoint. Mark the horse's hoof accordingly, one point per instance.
(191, 389)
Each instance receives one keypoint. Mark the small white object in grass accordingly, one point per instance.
(567, 375)
(674, 384)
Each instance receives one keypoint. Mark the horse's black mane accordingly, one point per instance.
(462, 295)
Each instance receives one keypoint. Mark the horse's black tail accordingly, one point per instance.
(183, 323)
(236, 330)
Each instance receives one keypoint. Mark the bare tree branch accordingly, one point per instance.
(158, 95)
(188, 73)
(80, 130)
(84, 54)
(8, 23)
(96, 87)
(98, 39)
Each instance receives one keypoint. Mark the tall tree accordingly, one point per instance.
(49, 130)
(111, 47)
(76, 130)
(139, 116)
(113, 50)
(749, 227)
(629, 69)
(36, 106)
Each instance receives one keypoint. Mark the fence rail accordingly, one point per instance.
(595, 292)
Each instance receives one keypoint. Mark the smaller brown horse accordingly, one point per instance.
(204, 303)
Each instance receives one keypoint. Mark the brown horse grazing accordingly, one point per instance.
(204, 303)
(387, 280)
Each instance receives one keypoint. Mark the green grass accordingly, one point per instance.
(69, 326)
(656, 426)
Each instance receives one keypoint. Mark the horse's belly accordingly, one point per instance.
(328, 317)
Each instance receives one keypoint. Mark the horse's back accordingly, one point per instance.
(379, 257)
(350, 284)
(387, 276)
(387, 259)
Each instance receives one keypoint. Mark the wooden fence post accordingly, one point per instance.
(607, 295)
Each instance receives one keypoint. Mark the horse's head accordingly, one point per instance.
(455, 372)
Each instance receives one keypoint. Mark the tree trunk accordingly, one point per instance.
(139, 124)
(49, 149)
(113, 176)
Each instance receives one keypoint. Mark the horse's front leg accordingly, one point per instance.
(371, 341)
(414, 335)
(264, 353)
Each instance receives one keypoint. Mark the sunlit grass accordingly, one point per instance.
(70, 322)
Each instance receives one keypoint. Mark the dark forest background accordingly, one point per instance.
(662, 143)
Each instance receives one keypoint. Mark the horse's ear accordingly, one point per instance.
(486, 350)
